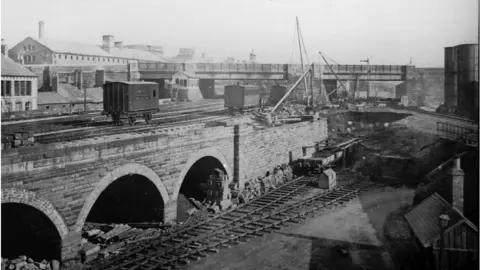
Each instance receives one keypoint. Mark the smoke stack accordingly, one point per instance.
(118, 44)
(40, 29)
(107, 42)
(4, 48)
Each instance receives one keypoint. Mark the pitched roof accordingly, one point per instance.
(74, 95)
(189, 74)
(58, 46)
(50, 98)
(10, 68)
(424, 218)
(135, 54)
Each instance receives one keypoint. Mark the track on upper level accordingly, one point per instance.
(160, 120)
(263, 215)
(96, 119)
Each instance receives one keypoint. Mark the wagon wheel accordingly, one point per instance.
(131, 120)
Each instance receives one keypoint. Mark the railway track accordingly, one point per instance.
(158, 122)
(263, 215)
(59, 124)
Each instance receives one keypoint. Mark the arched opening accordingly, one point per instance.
(191, 185)
(27, 231)
(131, 198)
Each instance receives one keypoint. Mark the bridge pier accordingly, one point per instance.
(207, 87)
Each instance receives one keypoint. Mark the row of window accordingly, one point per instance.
(18, 106)
(30, 58)
(21, 88)
(28, 47)
(100, 59)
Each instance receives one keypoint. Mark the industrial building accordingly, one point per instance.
(42, 50)
(461, 80)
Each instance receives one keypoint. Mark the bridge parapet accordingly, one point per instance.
(272, 71)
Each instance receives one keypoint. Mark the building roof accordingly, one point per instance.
(128, 82)
(189, 74)
(11, 68)
(50, 98)
(74, 95)
(58, 46)
(135, 54)
(424, 219)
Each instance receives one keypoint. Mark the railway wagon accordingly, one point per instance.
(241, 97)
(129, 100)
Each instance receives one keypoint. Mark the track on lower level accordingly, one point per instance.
(263, 215)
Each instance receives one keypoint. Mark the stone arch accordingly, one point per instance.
(13, 195)
(212, 152)
(131, 168)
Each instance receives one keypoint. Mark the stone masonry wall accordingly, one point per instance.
(71, 176)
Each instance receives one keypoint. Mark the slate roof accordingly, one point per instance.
(58, 46)
(10, 68)
(424, 219)
(75, 95)
(189, 74)
(50, 98)
(135, 54)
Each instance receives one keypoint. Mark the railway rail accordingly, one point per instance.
(156, 123)
(58, 124)
(263, 215)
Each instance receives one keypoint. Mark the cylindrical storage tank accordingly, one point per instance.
(450, 94)
(467, 79)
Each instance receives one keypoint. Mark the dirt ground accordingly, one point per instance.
(357, 229)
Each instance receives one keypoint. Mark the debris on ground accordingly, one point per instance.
(104, 240)
(22, 262)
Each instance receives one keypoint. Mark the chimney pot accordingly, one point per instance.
(108, 42)
(40, 29)
(118, 44)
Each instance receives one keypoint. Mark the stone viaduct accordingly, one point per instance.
(64, 180)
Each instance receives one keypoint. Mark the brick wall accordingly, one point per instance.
(72, 175)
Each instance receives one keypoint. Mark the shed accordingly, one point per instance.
(327, 179)
(459, 235)
(186, 86)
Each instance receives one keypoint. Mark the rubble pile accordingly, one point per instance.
(24, 263)
(260, 185)
(103, 240)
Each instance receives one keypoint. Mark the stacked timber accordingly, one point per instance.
(17, 139)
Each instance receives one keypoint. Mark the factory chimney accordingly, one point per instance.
(4, 48)
(107, 42)
(40, 29)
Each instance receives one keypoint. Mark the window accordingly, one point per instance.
(33, 58)
(177, 81)
(28, 106)
(108, 60)
(3, 88)
(71, 57)
(64, 106)
(77, 57)
(47, 107)
(29, 47)
(8, 106)
(154, 92)
(18, 106)
(29, 88)
(23, 87)
(65, 56)
(88, 57)
(17, 88)
(8, 88)
(83, 58)
(24, 47)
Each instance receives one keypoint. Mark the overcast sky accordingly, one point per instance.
(387, 31)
